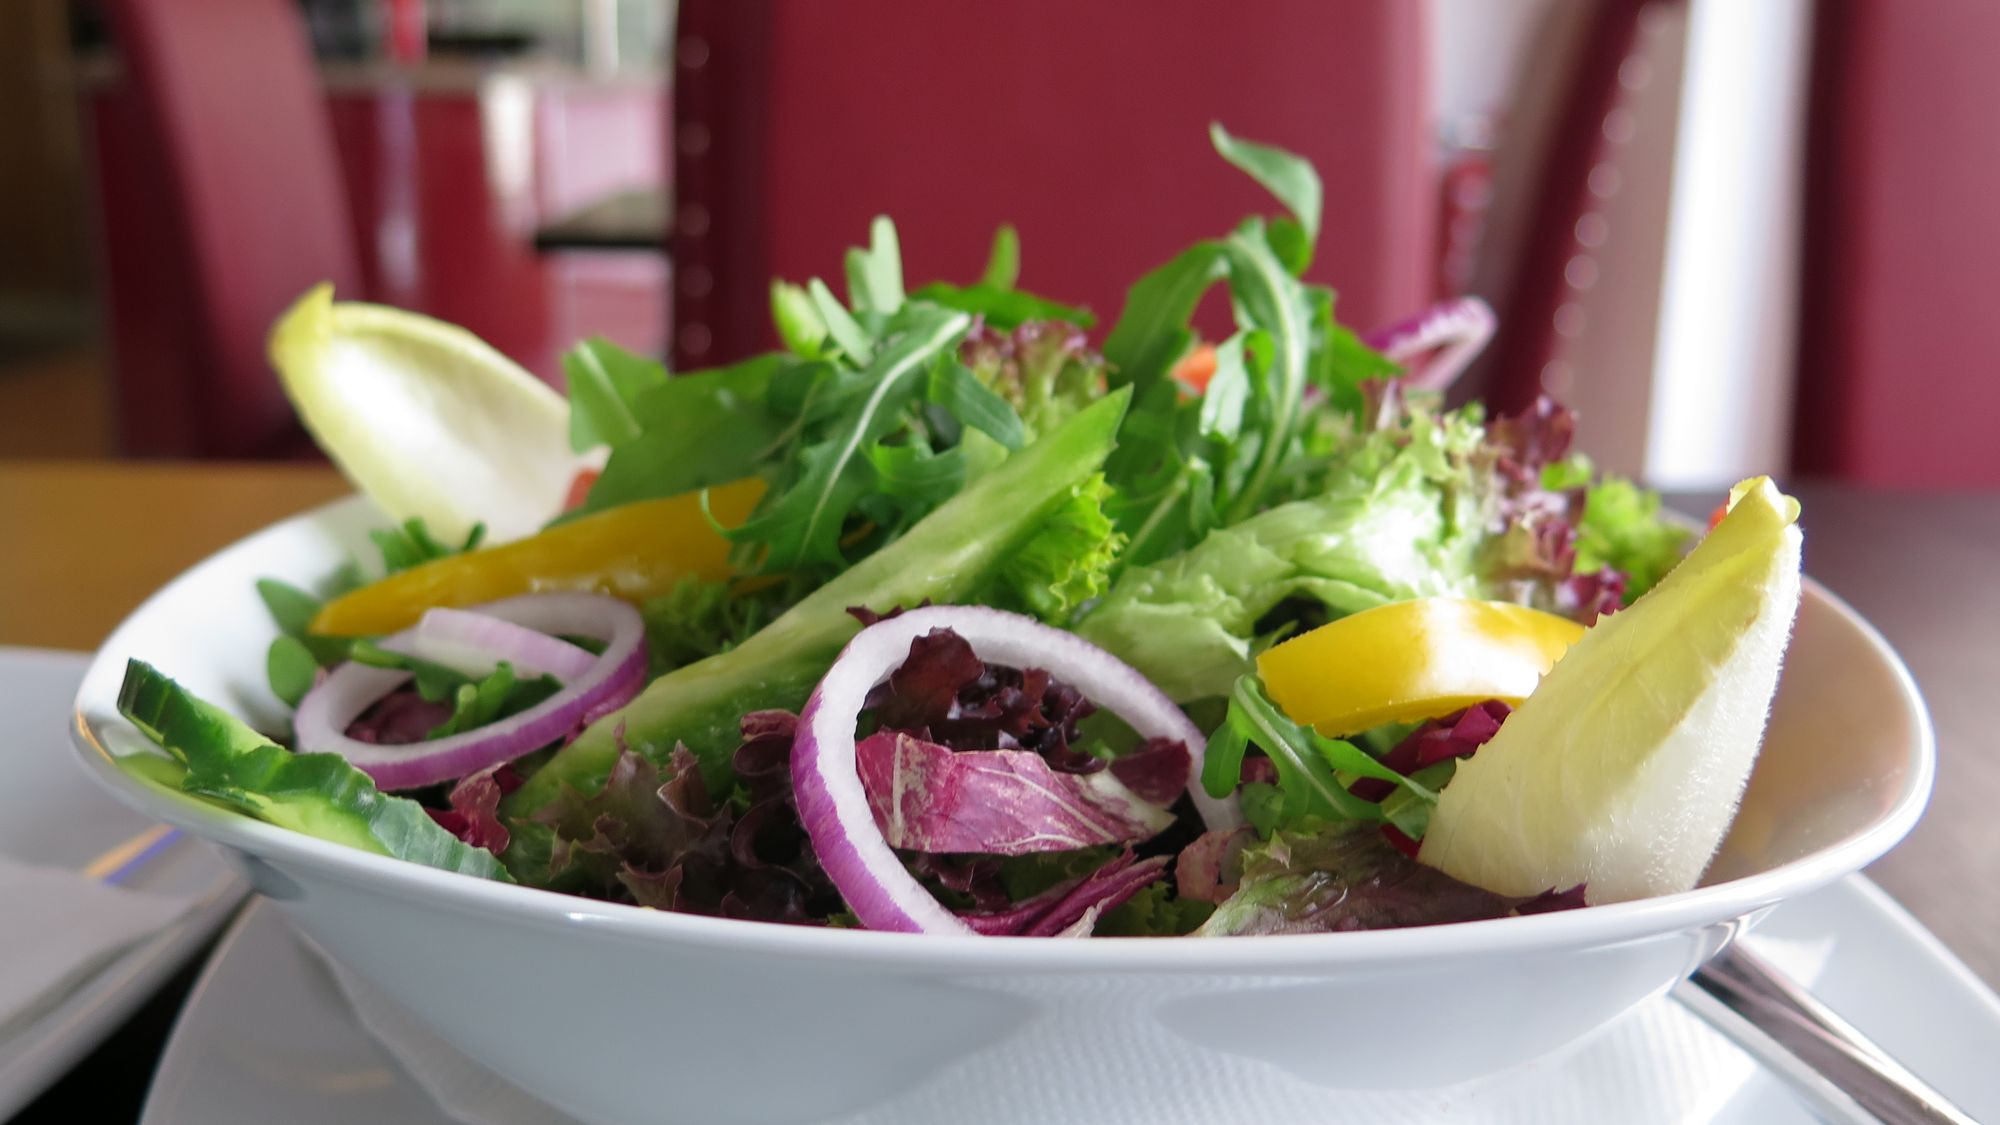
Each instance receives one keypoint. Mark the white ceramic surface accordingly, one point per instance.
(51, 814)
(599, 1008)
(267, 1036)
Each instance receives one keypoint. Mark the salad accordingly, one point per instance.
(960, 615)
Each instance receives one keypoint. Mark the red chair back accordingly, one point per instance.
(1084, 125)
(228, 92)
(1897, 382)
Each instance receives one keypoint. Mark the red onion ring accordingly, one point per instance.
(1461, 328)
(833, 805)
(475, 643)
(351, 688)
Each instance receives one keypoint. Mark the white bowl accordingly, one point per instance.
(617, 1014)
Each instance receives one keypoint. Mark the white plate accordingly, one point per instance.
(51, 813)
(268, 1036)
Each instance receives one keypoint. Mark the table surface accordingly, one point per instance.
(81, 544)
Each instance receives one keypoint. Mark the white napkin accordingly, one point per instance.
(1658, 1065)
(57, 928)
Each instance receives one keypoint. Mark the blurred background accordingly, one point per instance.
(1736, 236)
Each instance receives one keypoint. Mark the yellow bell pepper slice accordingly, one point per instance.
(634, 551)
(1413, 660)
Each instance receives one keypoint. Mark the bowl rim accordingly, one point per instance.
(1599, 925)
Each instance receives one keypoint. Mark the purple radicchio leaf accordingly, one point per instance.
(927, 797)
(1069, 909)
(1439, 740)
(1210, 867)
(654, 837)
(946, 693)
(650, 836)
(1157, 770)
(474, 815)
(978, 877)
(400, 717)
(1536, 553)
(1347, 877)
(775, 875)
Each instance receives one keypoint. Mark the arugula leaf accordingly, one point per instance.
(413, 545)
(1166, 485)
(495, 696)
(318, 794)
(953, 387)
(291, 668)
(841, 327)
(875, 275)
(802, 518)
(1228, 392)
(696, 431)
(800, 327)
(1341, 362)
(292, 662)
(1269, 298)
(434, 682)
(1185, 469)
(1305, 760)
(1291, 179)
(604, 381)
(1315, 773)
(1153, 332)
(913, 473)
(1003, 263)
(1002, 308)
(292, 608)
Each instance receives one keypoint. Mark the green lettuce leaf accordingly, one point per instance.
(1043, 372)
(701, 617)
(1067, 562)
(1403, 514)
(1622, 528)
(319, 794)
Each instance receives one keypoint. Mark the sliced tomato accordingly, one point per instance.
(1196, 368)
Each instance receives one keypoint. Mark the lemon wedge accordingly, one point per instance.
(1412, 660)
(1623, 770)
(425, 418)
